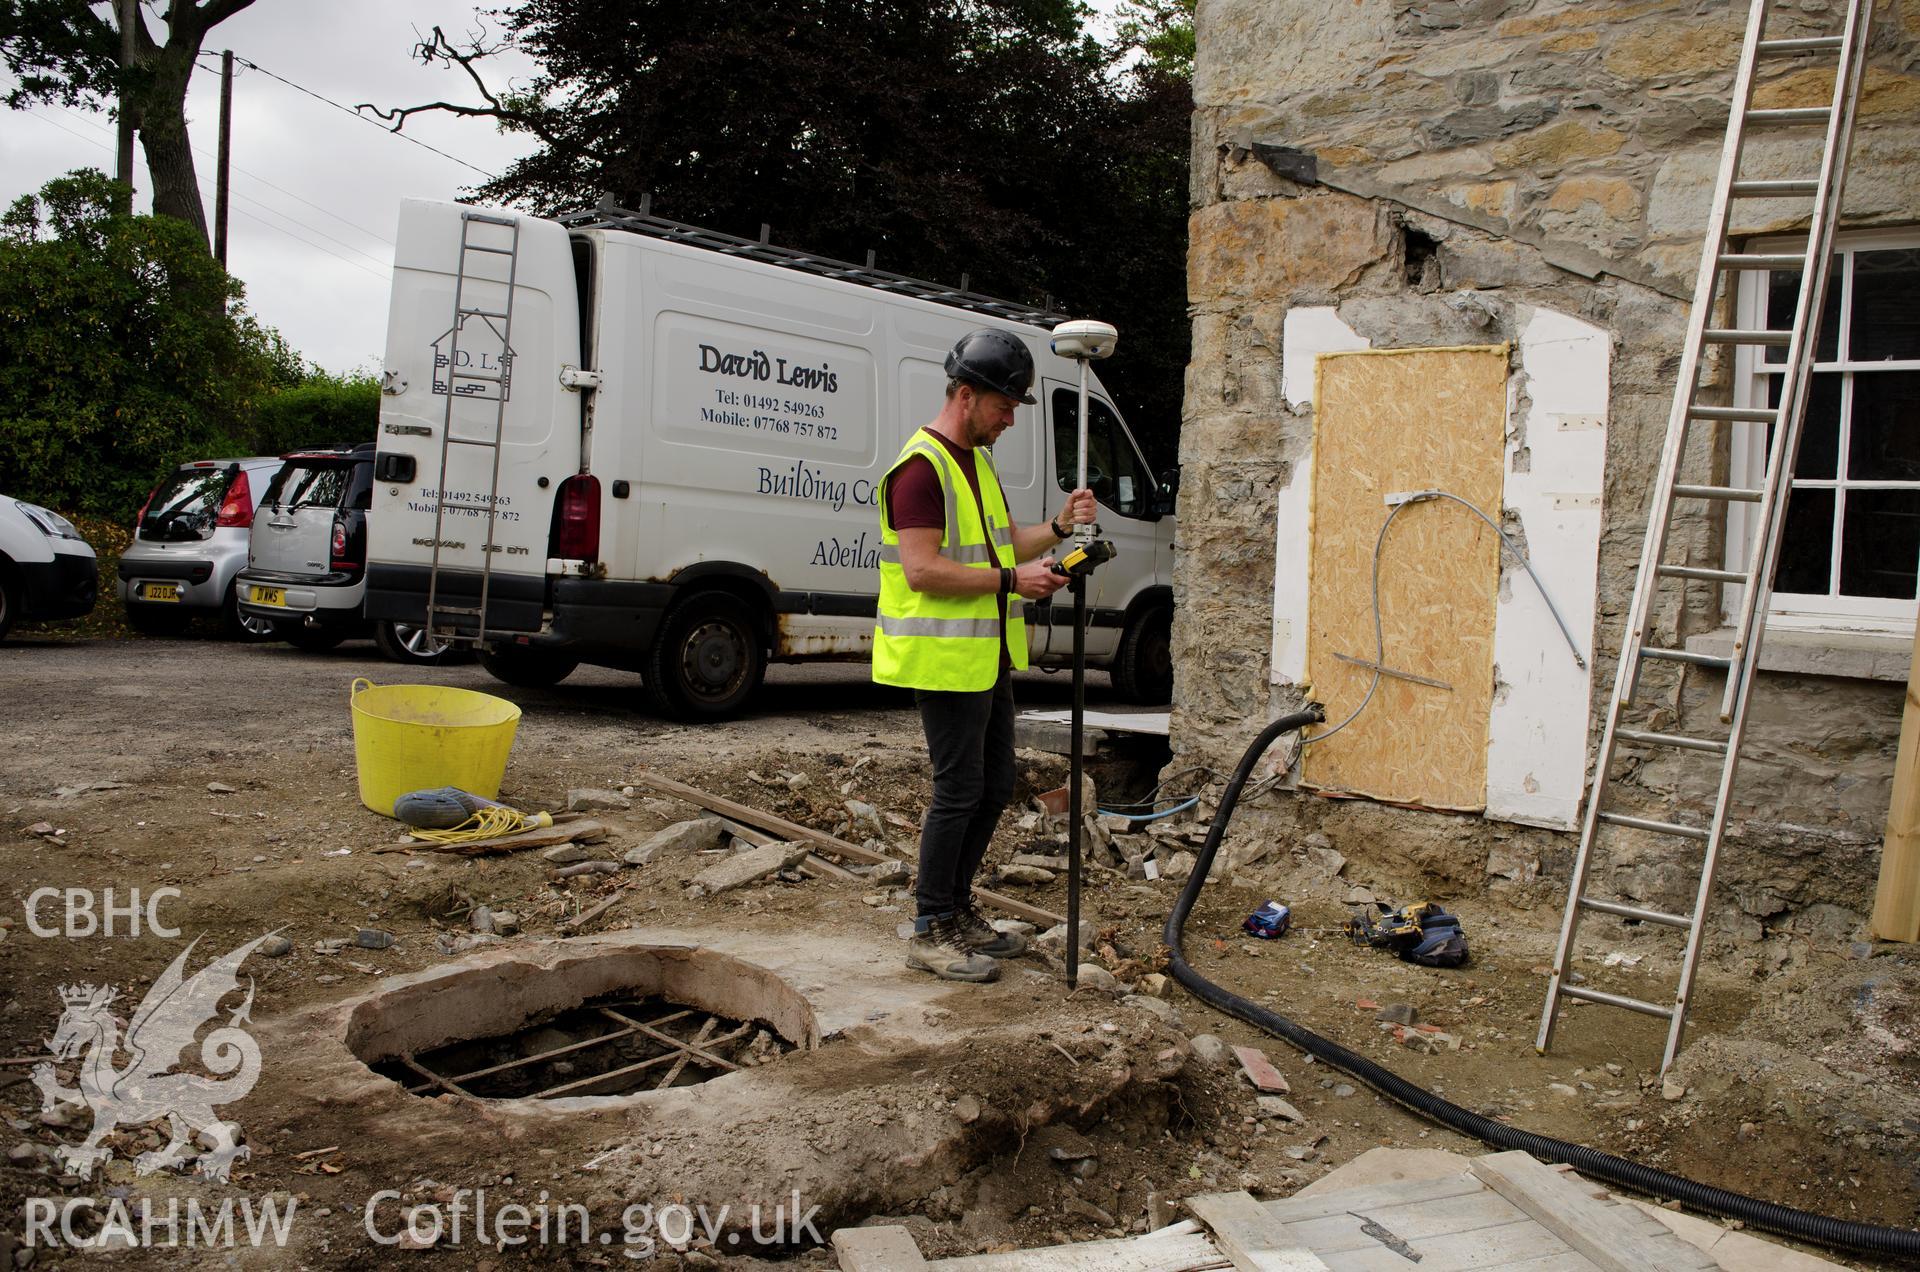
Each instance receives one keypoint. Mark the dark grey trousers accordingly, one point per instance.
(970, 740)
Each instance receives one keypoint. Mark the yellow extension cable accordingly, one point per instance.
(488, 823)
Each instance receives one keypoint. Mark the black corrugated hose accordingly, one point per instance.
(1841, 1234)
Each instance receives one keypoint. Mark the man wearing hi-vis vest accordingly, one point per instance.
(954, 570)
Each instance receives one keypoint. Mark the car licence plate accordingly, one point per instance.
(269, 595)
(160, 591)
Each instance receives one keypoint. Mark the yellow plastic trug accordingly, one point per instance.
(416, 737)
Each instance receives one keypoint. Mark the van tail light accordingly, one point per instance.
(140, 517)
(576, 519)
(237, 508)
(343, 557)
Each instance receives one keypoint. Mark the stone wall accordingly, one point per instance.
(1474, 156)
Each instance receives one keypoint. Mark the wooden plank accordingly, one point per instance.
(545, 837)
(794, 832)
(1611, 1237)
(1565, 1261)
(817, 866)
(1520, 1243)
(1405, 420)
(1447, 1216)
(879, 1249)
(1896, 899)
(589, 915)
(1192, 1253)
(1291, 1210)
(1253, 1239)
(1732, 1249)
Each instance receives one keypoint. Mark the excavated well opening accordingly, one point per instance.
(600, 1048)
(624, 1023)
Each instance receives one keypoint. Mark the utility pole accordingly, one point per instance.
(226, 149)
(128, 14)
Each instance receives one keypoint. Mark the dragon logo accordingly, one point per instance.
(145, 1088)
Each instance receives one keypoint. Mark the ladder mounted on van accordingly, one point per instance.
(610, 216)
(481, 240)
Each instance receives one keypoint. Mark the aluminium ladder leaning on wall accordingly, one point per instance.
(1821, 185)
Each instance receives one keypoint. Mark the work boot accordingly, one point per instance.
(983, 938)
(942, 949)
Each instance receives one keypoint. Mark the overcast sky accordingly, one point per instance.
(316, 192)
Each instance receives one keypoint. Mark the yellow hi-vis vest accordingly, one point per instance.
(950, 643)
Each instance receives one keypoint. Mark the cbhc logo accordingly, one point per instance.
(95, 914)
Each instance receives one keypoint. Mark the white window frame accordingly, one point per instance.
(1747, 459)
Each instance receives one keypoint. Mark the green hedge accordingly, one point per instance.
(125, 349)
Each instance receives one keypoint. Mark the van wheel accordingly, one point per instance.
(708, 659)
(405, 643)
(314, 640)
(525, 667)
(9, 600)
(1143, 669)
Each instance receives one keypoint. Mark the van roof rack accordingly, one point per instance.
(608, 215)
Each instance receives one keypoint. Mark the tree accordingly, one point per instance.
(1162, 32)
(990, 139)
(123, 350)
(68, 51)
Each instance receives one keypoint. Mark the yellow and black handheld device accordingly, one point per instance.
(1084, 558)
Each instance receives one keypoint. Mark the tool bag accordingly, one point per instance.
(1423, 934)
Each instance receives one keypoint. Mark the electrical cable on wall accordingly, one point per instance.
(1399, 502)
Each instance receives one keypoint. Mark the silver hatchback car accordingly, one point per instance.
(306, 570)
(189, 543)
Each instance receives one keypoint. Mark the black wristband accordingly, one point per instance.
(1006, 580)
(1054, 525)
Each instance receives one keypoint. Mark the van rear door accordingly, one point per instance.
(485, 315)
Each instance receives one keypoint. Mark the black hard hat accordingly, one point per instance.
(994, 359)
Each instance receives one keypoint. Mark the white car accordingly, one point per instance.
(46, 569)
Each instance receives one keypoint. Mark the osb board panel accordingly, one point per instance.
(1406, 419)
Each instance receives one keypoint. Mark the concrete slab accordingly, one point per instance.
(1053, 730)
(848, 983)
(1157, 723)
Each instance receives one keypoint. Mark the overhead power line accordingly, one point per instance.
(318, 247)
(254, 176)
(345, 260)
(321, 208)
(47, 119)
(341, 106)
(372, 234)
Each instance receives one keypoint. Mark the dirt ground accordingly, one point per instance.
(230, 776)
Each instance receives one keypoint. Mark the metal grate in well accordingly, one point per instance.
(614, 1047)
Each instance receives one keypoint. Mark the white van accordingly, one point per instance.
(691, 430)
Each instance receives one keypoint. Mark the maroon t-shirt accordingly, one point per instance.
(915, 497)
(917, 501)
